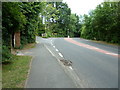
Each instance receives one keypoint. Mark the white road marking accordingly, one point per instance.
(56, 50)
(71, 71)
(60, 54)
(70, 67)
(112, 53)
(92, 48)
(49, 50)
(96, 48)
(54, 46)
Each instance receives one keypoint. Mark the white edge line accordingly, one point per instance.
(96, 48)
(56, 50)
(60, 61)
(112, 53)
(70, 67)
(49, 50)
(60, 54)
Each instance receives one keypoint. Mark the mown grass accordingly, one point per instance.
(107, 43)
(29, 46)
(103, 42)
(14, 74)
(0, 76)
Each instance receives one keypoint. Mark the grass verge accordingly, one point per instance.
(0, 76)
(29, 46)
(103, 42)
(14, 74)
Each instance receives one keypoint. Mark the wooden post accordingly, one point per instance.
(17, 39)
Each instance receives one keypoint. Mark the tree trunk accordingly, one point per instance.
(17, 39)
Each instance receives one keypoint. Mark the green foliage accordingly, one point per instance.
(12, 20)
(74, 26)
(6, 54)
(22, 17)
(31, 10)
(15, 73)
(58, 21)
(103, 23)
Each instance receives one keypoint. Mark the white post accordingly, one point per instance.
(68, 36)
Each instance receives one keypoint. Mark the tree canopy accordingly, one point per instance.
(103, 23)
(54, 19)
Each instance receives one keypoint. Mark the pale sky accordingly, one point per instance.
(81, 7)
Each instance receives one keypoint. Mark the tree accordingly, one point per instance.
(12, 21)
(50, 18)
(19, 17)
(31, 10)
(56, 18)
(74, 26)
(102, 23)
(64, 18)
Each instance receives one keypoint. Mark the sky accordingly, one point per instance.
(81, 7)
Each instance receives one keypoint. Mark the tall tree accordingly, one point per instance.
(12, 21)
(103, 23)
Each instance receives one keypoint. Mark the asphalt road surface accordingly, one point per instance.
(73, 63)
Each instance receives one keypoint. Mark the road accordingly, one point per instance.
(96, 69)
(90, 64)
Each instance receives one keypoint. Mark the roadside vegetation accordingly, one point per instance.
(21, 18)
(15, 72)
(54, 19)
(28, 19)
(102, 24)
(22, 21)
(28, 46)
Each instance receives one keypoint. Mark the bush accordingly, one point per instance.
(44, 37)
(6, 54)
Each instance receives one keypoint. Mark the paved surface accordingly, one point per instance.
(46, 71)
(90, 67)
(96, 69)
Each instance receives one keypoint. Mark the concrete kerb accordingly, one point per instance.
(30, 65)
(71, 73)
